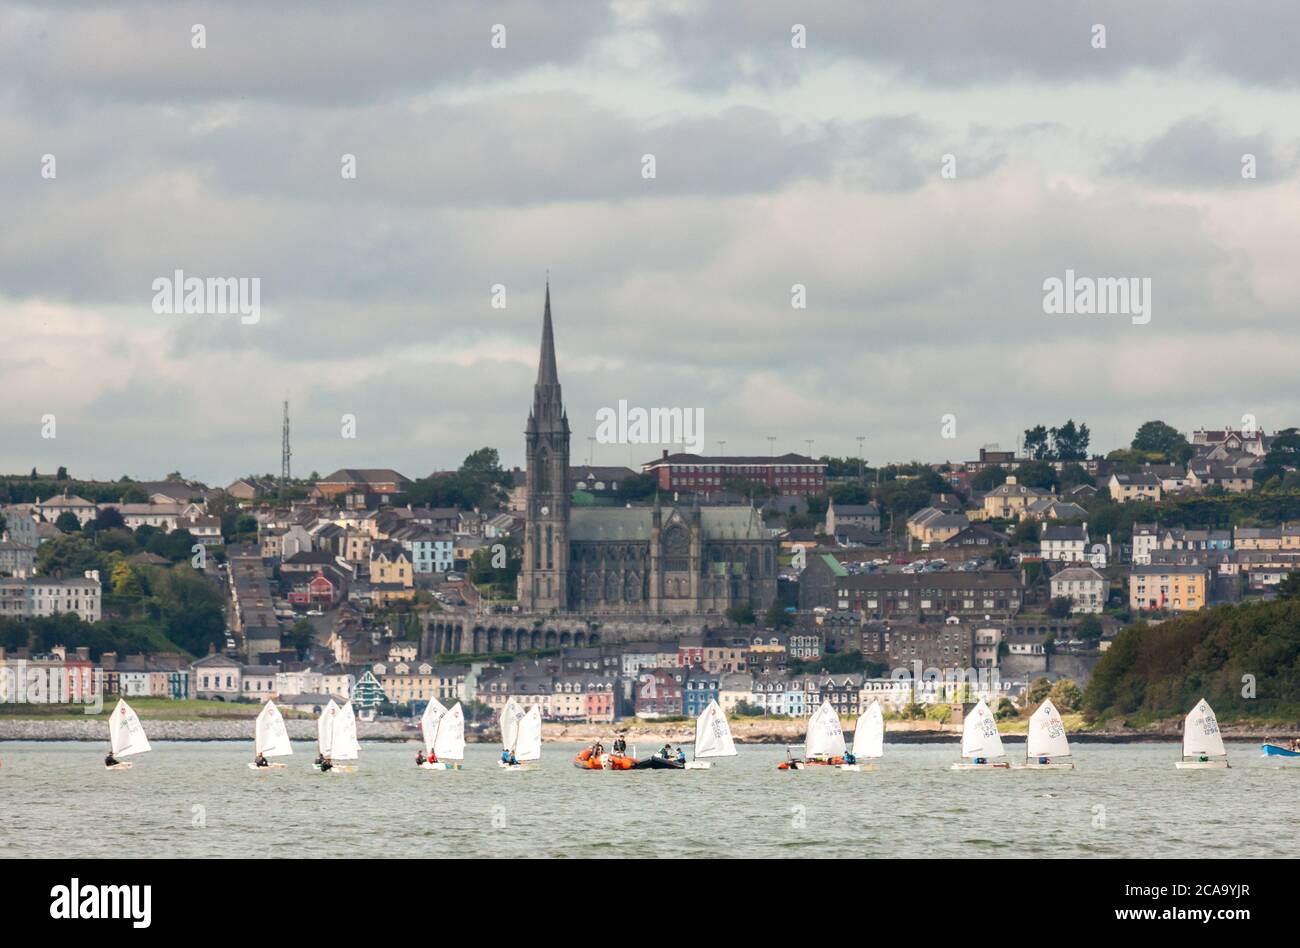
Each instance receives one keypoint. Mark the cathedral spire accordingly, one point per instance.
(546, 371)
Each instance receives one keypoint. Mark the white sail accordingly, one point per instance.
(344, 744)
(125, 732)
(713, 734)
(325, 728)
(511, 715)
(528, 735)
(825, 736)
(1201, 733)
(979, 736)
(449, 742)
(270, 737)
(433, 713)
(869, 733)
(1047, 733)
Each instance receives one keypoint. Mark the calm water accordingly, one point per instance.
(200, 800)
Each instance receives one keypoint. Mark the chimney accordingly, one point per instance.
(83, 652)
(665, 454)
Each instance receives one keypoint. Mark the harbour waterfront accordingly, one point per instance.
(196, 800)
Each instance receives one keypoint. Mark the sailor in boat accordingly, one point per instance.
(620, 745)
(666, 752)
(110, 760)
(320, 760)
(261, 760)
(325, 765)
(508, 758)
(419, 758)
(681, 755)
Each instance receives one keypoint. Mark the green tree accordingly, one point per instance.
(777, 617)
(1289, 588)
(192, 609)
(69, 555)
(67, 522)
(742, 613)
(1059, 608)
(1036, 444)
(1038, 690)
(1158, 437)
(301, 637)
(1066, 695)
(1070, 441)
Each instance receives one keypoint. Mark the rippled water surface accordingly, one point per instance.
(200, 800)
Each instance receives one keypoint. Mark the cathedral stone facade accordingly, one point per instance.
(670, 560)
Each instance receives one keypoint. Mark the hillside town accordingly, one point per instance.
(1000, 577)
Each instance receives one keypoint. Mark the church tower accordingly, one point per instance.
(543, 579)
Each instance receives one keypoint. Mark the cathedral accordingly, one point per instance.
(633, 561)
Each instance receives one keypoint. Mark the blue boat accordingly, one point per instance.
(1272, 750)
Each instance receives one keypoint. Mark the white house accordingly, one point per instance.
(1083, 586)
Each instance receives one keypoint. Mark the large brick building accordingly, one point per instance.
(698, 473)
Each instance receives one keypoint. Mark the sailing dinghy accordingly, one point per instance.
(1202, 743)
(712, 738)
(125, 735)
(1047, 747)
(325, 732)
(823, 743)
(981, 745)
(521, 737)
(444, 736)
(270, 737)
(868, 740)
(343, 745)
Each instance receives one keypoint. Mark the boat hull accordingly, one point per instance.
(1280, 753)
(970, 768)
(268, 767)
(1054, 765)
(526, 765)
(1201, 765)
(123, 765)
(441, 765)
(698, 764)
(858, 768)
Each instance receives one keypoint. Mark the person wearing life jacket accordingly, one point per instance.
(620, 745)
(850, 758)
(681, 755)
(419, 758)
(320, 759)
(666, 751)
(261, 760)
(511, 760)
(505, 757)
(110, 760)
(325, 765)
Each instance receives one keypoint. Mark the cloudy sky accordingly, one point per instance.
(774, 166)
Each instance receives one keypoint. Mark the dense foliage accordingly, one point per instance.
(1244, 660)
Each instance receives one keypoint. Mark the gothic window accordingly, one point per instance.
(677, 548)
(549, 549)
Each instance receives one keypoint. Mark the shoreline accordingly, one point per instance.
(72, 730)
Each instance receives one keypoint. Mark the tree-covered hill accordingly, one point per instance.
(1160, 671)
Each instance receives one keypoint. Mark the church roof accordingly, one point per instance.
(635, 523)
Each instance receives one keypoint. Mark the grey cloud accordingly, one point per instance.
(956, 42)
(1202, 153)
